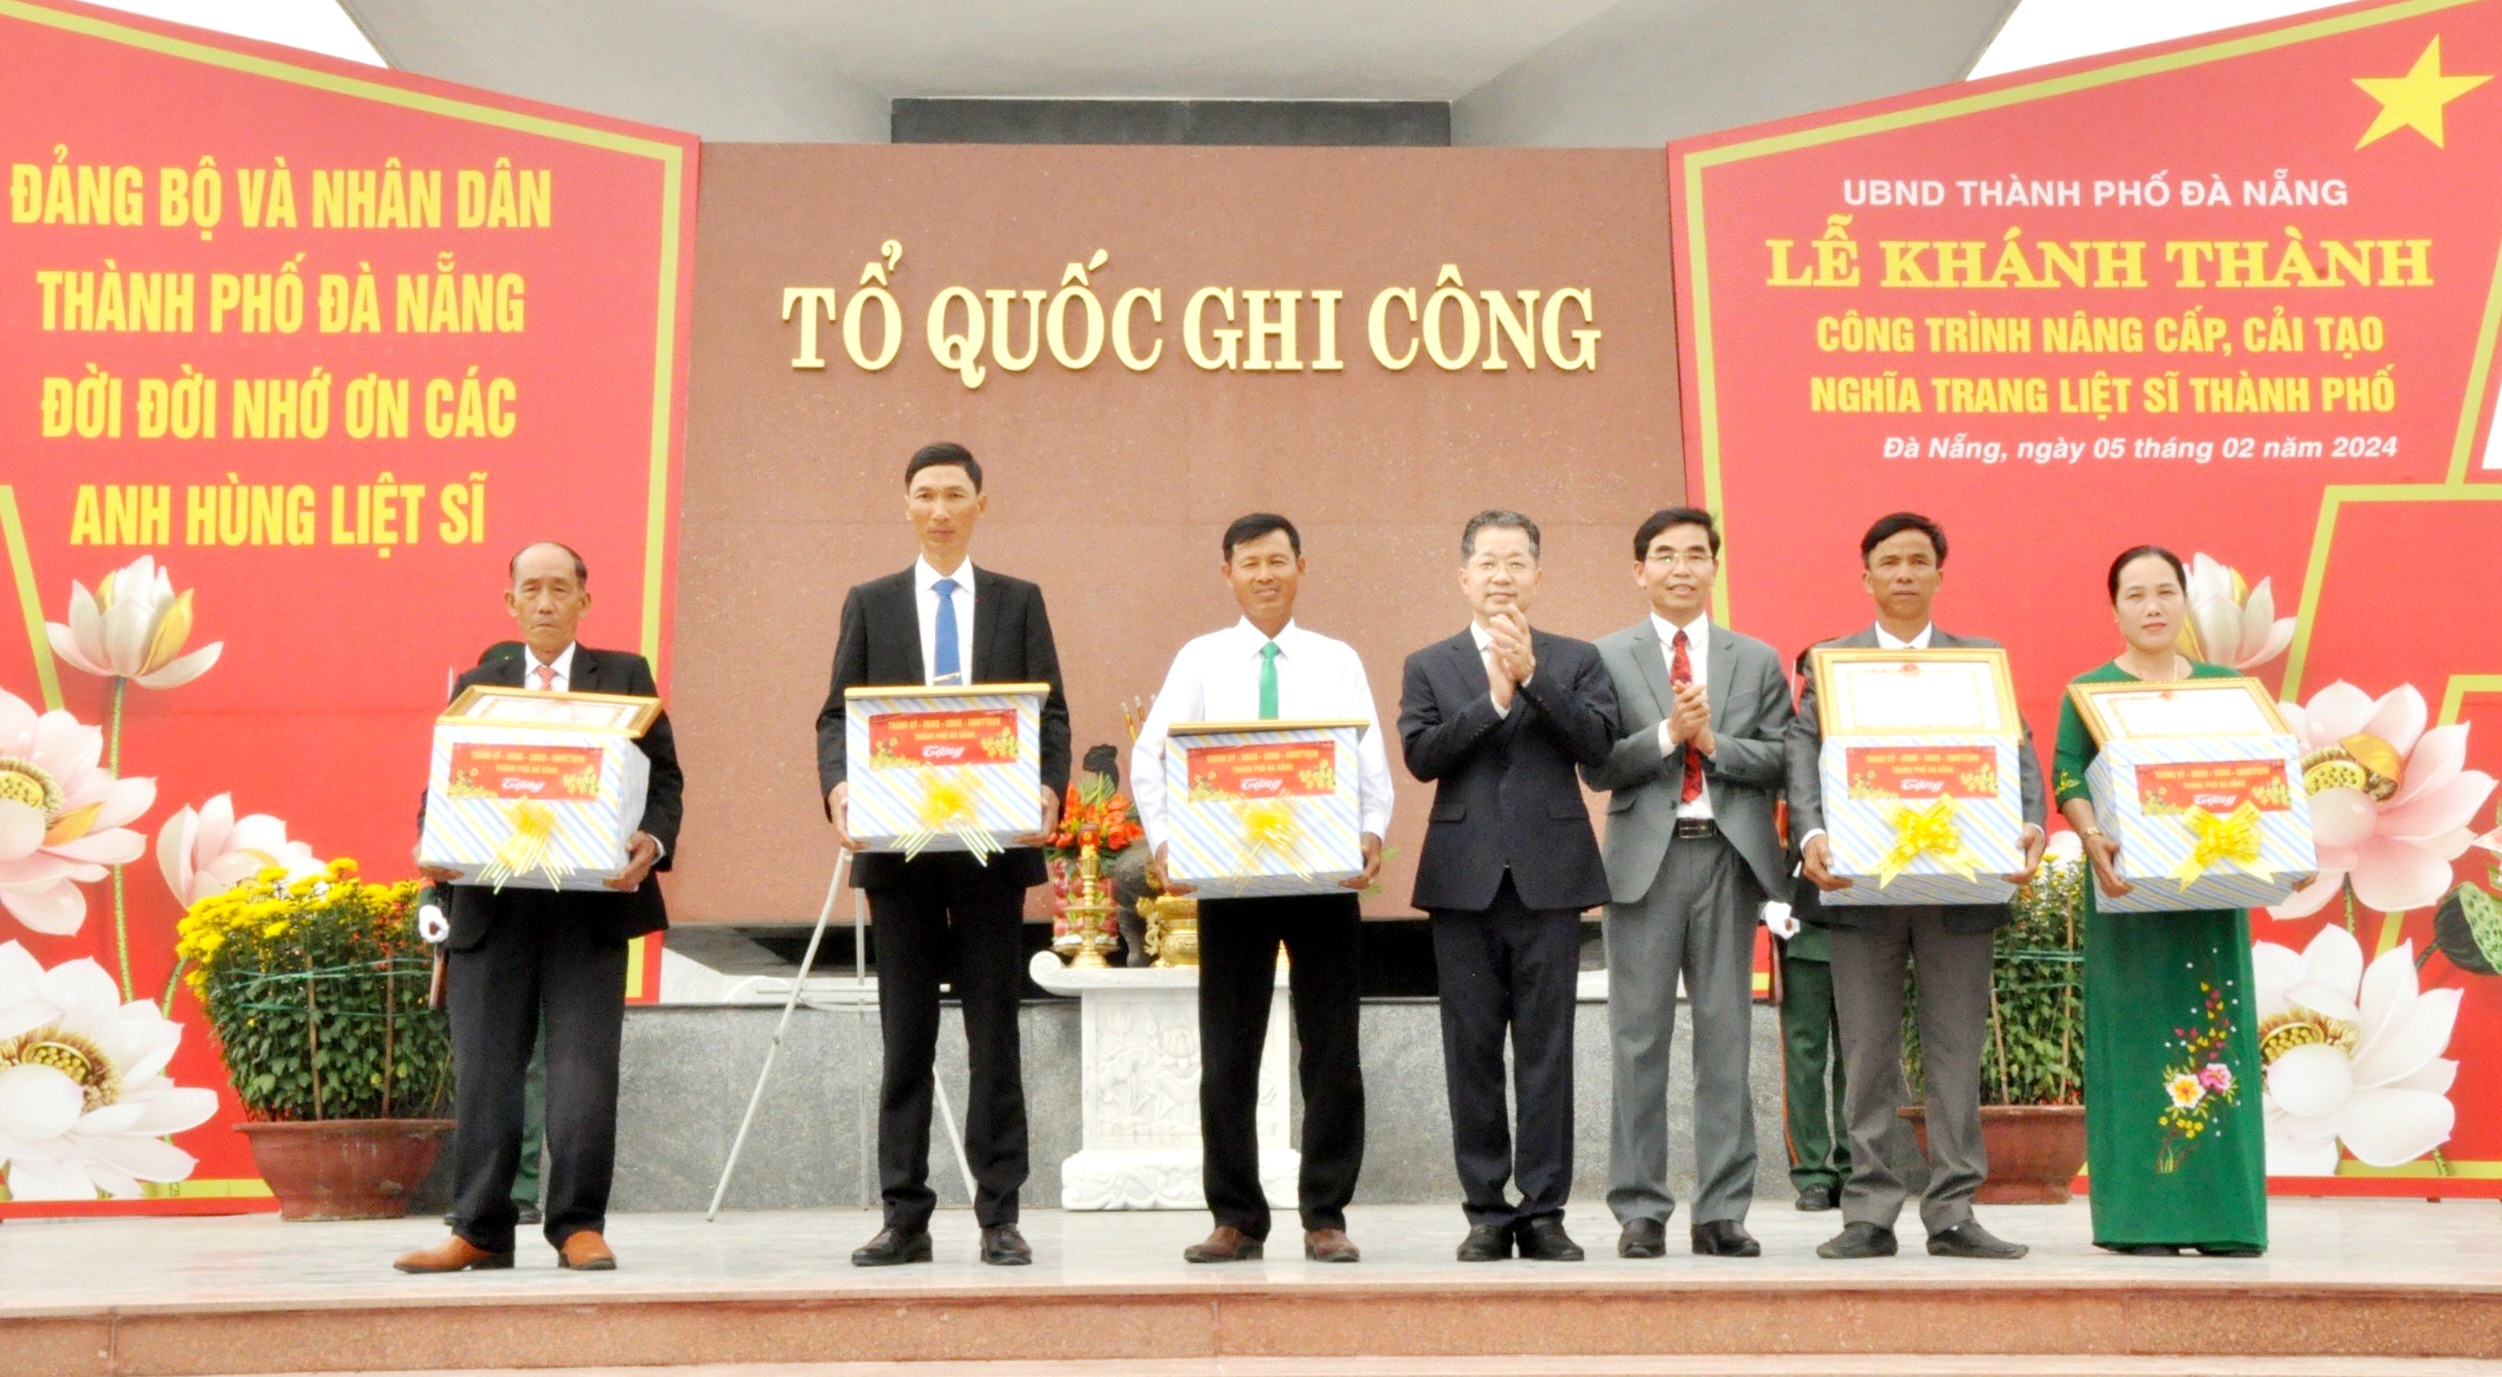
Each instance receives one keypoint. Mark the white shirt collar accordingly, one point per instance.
(562, 664)
(1890, 641)
(1696, 631)
(1478, 633)
(1256, 638)
(925, 577)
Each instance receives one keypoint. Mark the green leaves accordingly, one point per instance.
(2035, 1052)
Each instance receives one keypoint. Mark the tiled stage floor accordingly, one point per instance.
(2350, 1277)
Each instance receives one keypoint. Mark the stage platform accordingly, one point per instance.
(2347, 1279)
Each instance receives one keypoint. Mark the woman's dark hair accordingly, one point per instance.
(2137, 552)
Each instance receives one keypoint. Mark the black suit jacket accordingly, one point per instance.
(473, 908)
(880, 646)
(1505, 791)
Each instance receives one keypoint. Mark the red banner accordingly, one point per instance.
(565, 773)
(293, 355)
(2235, 296)
(1922, 772)
(2219, 786)
(1288, 769)
(987, 737)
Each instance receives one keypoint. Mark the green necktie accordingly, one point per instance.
(1268, 682)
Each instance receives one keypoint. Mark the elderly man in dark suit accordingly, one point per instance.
(1496, 718)
(1874, 947)
(522, 958)
(945, 917)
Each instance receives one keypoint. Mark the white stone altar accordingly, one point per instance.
(1139, 1091)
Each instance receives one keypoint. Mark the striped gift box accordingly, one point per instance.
(944, 769)
(1230, 784)
(485, 782)
(2159, 796)
(1871, 781)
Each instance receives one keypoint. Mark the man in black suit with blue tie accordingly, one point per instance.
(1497, 718)
(945, 917)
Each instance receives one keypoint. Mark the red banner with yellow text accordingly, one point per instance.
(293, 355)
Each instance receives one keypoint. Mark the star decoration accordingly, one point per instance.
(2414, 101)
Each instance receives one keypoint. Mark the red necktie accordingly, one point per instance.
(547, 673)
(1680, 674)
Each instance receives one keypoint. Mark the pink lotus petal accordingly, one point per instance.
(2389, 1128)
(2444, 807)
(2342, 817)
(127, 625)
(21, 830)
(65, 750)
(2435, 1077)
(2311, 898)
(173, 851)
(2337, 712)
(56, 911)
(2396, 876)
(2437, 758)
(119, 846)
(182, 669)
(2399, 718)
(65, 649)
(2419, 1033)
(146, 1159)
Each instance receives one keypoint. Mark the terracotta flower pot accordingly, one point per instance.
(2035, 1151)
(346, 1168)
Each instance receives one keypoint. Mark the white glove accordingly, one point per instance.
(1777, 916)
(432, 925)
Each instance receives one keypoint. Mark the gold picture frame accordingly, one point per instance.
(2133, 709)
(1968, 692)
(1271, 725)
(608, 714)
(876, 691)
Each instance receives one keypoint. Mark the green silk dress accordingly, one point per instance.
(2176, 1149)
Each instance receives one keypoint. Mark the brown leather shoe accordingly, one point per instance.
(586, 1252)
(1227, 1244)
(1330, 1245)
(455, 1254)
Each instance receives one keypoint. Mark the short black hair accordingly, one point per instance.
(1497, 516)
(1257, 524)
(1889, 526)
(1666, 517)
(581, 571)
(944, 454)
(2135, 553)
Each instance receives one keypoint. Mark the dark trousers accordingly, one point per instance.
(1238, 941)
(537, 965)
(1509, 968)
(1819, 1135)
(953, 921)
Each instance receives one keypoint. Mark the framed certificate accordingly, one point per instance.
(493, 705)
(2131, 711)
(1865, 691)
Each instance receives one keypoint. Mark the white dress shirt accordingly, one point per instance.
(563, 665)
(925, 583)
(1216, 678)
(1698, 660)
(1485, 638)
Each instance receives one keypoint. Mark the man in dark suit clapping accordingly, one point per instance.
(1497, 717)
(521, 956)
(945, 917)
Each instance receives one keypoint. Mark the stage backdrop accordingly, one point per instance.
(2236, 296)
(1141, 344)
(296, 353)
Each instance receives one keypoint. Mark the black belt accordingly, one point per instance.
(1690, 828)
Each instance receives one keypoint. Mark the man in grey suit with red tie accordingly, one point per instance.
(944, 917)
(1496, 718)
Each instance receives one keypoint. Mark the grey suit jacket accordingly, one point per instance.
(1806, 742)
(1750, 716)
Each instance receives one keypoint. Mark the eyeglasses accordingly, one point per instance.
(1691, 559)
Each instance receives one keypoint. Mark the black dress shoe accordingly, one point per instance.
(1486, 1243)
(529, 1218)
(1643, 1238)
(2142, 1249)
(893, 1248)
(1969, 1239)
(1858, 1241)
(2230, 1250)
(1725, 1238)
(1816, 1198)
(1003, 1246)
(1543, 1240)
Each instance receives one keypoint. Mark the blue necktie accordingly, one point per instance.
(948, 661)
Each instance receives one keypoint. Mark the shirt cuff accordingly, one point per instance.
(1667, 747)
(1812, 834)
(1500, 709)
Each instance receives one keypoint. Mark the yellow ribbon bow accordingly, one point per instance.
(531, 846)
(1271, 825)
(2233, 837)
(949, 806)
(1921, 832)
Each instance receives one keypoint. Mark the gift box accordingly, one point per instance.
(1263, 808)
(1923, 819)
(2207, 822)
(546, 806)
(944, 769)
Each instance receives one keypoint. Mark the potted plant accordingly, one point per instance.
(317, 989)
(1097, 824)
(2032, 1068)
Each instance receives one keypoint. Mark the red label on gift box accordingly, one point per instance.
(1919, 773)
(549, 774)
(2219, 786)
(1276, 769)
(985, 736)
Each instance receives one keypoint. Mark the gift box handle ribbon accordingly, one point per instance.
(1270, 825)
(1929, 831)
(949, 807)
(2233, 837)
(531, 845)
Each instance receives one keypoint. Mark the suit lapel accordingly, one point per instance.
(906, 609)
(1648, 657)
(1469, 664)
(1723, 669)
(989, 602)
(585, 675)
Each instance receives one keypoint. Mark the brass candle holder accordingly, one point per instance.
(1089, 911)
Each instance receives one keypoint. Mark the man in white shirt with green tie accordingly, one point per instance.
(1265, 667)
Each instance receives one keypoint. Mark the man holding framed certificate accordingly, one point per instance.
(1876, 944)
(953, 916)
(1265, 671)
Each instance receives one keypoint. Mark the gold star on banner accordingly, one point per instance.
(2414, 101)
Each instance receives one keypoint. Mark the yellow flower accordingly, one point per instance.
(277, 929)
(2185, 1090)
